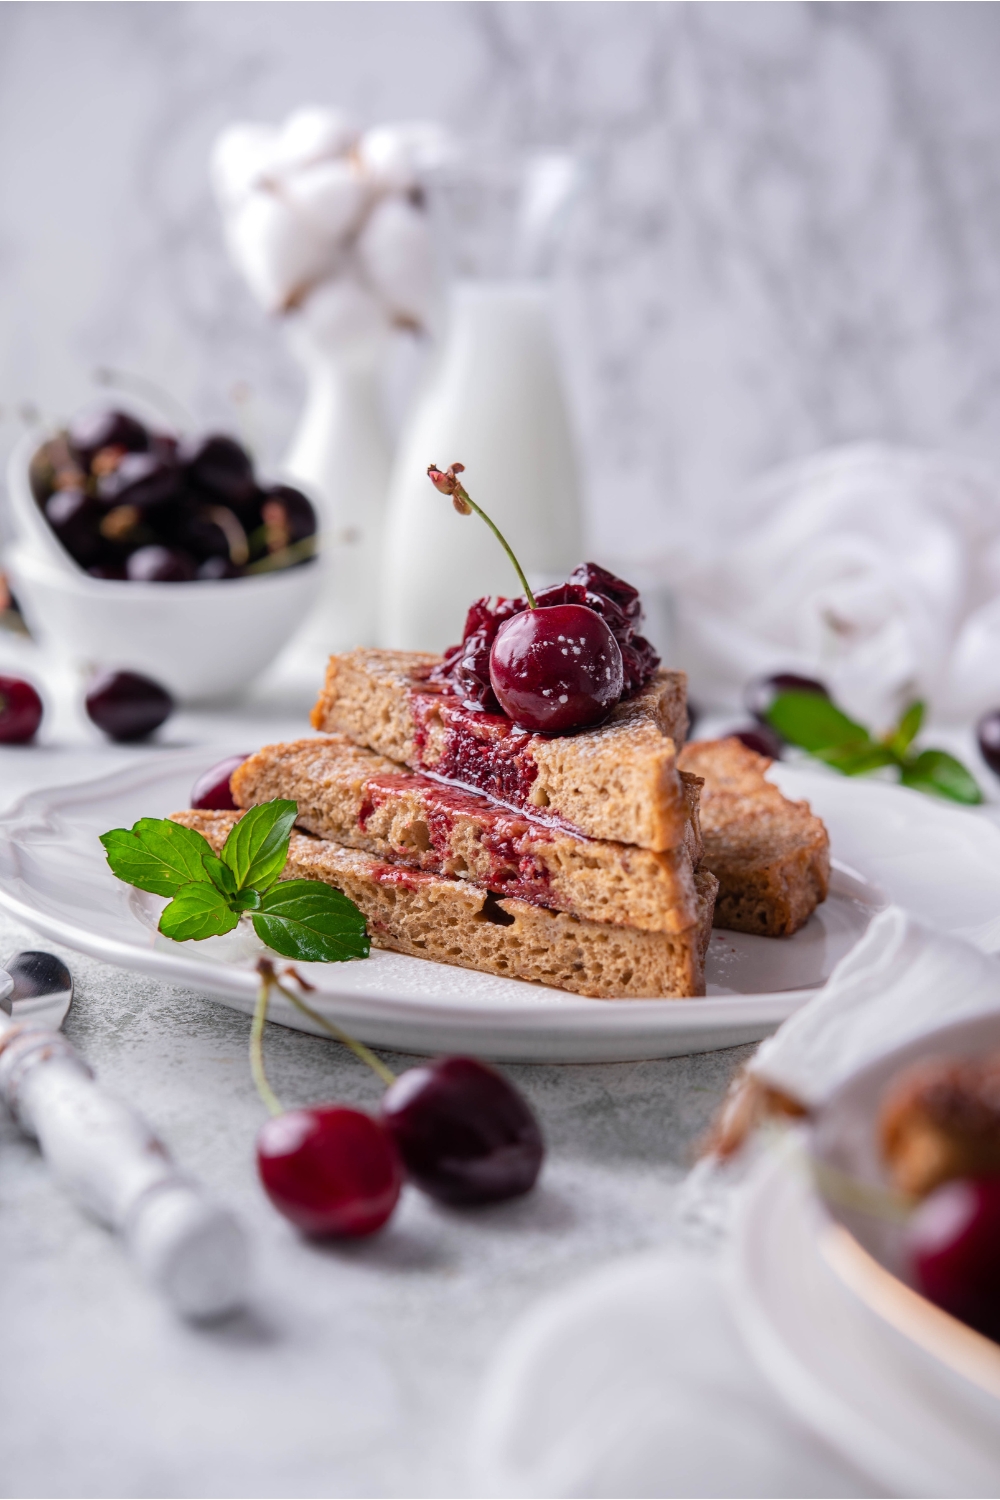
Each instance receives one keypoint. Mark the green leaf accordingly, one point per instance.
(938, 772)
(157, 855)
(220, 875)
(854, 760)
(814, 723)
(313, 922)
(257, 846)
(197, 911)
(906, 731)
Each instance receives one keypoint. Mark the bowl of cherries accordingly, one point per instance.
(163, 553)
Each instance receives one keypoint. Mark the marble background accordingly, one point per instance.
(792, 238)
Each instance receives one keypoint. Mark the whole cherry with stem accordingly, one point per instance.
(330, 1169)
(466, 1136)
(552, 667)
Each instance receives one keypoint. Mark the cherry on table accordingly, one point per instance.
(20, 711)
(127, 705)
(988, 735)
(211, 790)
(556, 668)
(465, 1134)
(953, 1242)
(759, 694)
(760, 738)
(330, 1170)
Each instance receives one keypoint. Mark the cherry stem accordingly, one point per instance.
(458, 492)
(268, 1097)
(359, 1049)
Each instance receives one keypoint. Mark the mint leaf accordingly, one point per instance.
(157, 855)
(257, 846)
(814, 723)
(220, 875)
(197, 911)
(310, 921)
(857, 760)
(937, 771)
(906, 731)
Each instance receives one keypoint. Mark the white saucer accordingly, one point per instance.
(891, 845)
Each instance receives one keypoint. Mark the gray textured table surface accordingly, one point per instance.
(357, 1368)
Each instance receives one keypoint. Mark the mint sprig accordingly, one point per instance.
(817, 725)
(301, 919)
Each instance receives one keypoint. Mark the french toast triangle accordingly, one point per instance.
(618, 781)
(354, 797)
(458, 922)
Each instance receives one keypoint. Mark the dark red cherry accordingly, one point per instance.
(75, 518)
(212, 789)
(216, 568)
(759, 694)
(761, 738)
(330, 1169)
(140, 479)
(160, 565)
(953, 1241)
(220, 467)
(126, 705)
(99, 428)
(556, 668)
(287, 515)
(20, 711)
(465, 1134)
(988, 735)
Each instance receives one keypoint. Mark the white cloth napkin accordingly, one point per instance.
(902, 979)
(635, 1380)
(876, 568)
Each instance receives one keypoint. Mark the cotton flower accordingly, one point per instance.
(314, 203)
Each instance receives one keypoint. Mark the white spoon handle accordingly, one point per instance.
(104, 1153)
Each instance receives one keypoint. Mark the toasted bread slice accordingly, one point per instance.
(771, 856)
(618, 781)
(456, 922)
(363, 800)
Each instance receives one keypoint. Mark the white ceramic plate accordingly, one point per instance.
(892, 845)
(916, 1426)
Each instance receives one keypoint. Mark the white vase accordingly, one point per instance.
(494, 402)
(341, 452)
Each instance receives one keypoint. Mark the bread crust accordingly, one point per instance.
(365, 801)
(456, 922)
(771, 856)
(618, 781)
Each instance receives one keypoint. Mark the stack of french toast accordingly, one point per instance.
(594, 862)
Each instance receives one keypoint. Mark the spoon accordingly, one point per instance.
(42, 989)
(191, 1249)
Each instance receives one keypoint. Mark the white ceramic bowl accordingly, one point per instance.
(201, 640)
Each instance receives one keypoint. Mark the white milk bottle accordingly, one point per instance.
(494, 402)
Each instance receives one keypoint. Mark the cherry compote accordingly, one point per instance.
(465, 1134)
(211, 791)
(20, 711)
(953, 1240)
(759, 694)
(556, 668)
(126, 705)
(330, 1169)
